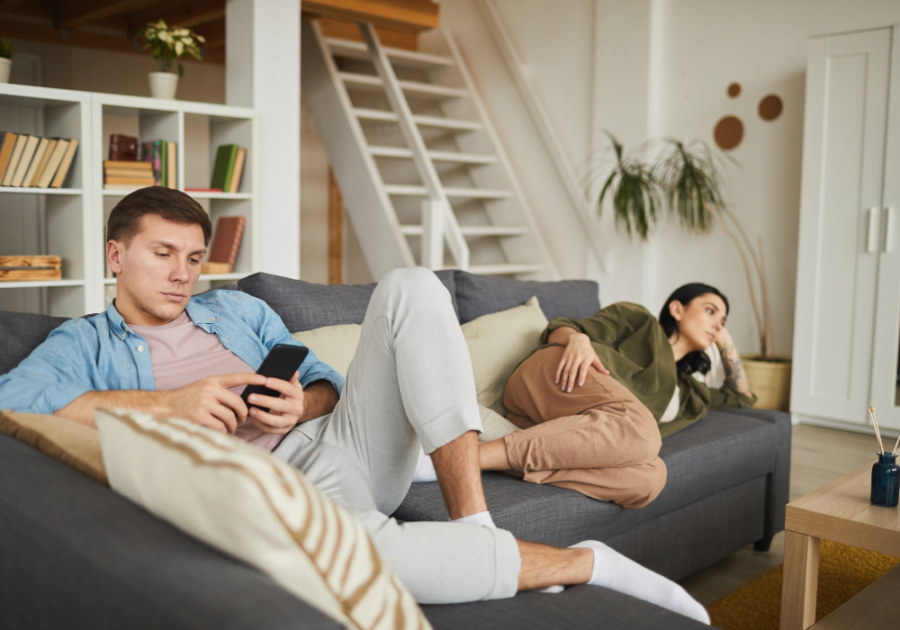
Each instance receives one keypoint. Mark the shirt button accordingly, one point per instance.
(140, 348)
(213, 319)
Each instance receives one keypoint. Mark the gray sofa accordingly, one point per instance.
(74, 554)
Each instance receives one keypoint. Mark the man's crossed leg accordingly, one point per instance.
(411, 383)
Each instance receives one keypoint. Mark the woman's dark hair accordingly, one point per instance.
(693, 361)
(171, 204)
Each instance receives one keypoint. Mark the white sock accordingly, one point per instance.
(424, 468)
(614, 571)
(479, 518)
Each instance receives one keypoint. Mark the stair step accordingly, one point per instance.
(463, 193)
(369, 82)
(472, 230)
(423, 121)
(406, 58)
(436, 156)
(505, 269)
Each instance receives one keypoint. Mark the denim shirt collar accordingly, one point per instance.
(201, 315)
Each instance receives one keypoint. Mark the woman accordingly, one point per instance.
(595, 402)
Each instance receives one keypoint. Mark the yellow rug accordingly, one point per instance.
(843, 572)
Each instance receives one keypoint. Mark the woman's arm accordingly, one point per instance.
(577, 358)
(731, 361)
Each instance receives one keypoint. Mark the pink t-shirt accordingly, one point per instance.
(182, 353)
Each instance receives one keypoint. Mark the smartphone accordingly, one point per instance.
(281, 362)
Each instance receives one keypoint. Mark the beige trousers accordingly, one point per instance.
(599, 439)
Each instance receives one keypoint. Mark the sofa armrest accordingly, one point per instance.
(77, 555)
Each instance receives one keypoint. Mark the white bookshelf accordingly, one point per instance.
(71, 221)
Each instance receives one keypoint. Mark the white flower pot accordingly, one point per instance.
(163, 84)
(5, 65)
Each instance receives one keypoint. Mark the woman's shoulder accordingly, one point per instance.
(627, 309)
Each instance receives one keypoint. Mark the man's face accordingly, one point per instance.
(156, 270)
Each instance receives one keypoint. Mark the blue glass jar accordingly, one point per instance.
(885, 480)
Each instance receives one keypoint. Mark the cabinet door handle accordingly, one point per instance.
(889, 230)
(872, 241)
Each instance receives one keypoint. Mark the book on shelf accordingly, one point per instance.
(190, 189)
(14, 160)
(25, 161)
(123, 148)
(151, 154)
(56, 158)
(6, 149)
(126, 175)
(228, 168)
(225, 244)
(238, 171)
(172, 162)
(65, 164)
(41, 157)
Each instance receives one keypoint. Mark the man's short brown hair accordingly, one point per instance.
(174, 205)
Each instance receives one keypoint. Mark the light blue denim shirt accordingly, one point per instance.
(101, 352)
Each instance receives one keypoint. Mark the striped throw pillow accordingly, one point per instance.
(243, 501)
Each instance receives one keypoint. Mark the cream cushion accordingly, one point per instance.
(495, 425)
(498, 342)
(335, 345)
(240, 499)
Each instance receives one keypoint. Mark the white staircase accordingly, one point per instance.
(422, 172)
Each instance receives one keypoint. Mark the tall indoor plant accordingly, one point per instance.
(687, 178)
(168, 45)
(7, 49)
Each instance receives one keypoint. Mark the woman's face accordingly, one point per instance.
(700, 321)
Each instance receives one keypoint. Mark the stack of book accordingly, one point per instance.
(229, 167)
(124, 175)
(34, 162)
(226, 241)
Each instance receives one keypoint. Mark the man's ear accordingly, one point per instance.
(676, 309)
(114, 255)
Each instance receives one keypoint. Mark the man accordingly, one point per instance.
(158, 349)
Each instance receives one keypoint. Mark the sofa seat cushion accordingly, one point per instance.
(721, 451)
(307, 305)
(578, 607)
(480, 295)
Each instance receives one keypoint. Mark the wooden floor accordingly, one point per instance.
(818, 456)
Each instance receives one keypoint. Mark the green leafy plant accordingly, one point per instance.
(634, 191)
(7, 48)
(169, 45)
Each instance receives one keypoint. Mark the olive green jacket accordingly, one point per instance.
(632, 345)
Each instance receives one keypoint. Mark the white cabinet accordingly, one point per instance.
(70, 221)
(847, 314)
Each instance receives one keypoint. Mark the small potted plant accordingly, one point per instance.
(7, 48)
(168, 46)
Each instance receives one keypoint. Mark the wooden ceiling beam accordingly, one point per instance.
(87, 11)
(44, 33)
(405, 16)
(185, 14)
(9, 4)
(214, 32)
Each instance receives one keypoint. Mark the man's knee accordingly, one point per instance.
(411, 279)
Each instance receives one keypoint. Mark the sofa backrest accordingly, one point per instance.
(306, 305)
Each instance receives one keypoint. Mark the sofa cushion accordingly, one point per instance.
(498, 343)
(76, 555)
(335, 345)
(306, 305)
(73, 444)
(259, 509)
(578, 607)
(716, 453)
(479, 295)
(20, 333)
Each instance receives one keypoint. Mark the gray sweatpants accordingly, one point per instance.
(410, 383)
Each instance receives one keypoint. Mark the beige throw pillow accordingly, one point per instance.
(73, 444)
(498, 342)
(335, 345)
(259, 509)
(495, 425)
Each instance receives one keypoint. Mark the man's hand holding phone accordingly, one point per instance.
(209, 403)
(284, 412)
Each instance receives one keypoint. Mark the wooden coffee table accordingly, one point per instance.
(841, 512)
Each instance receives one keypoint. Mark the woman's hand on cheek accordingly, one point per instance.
(724, 340)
